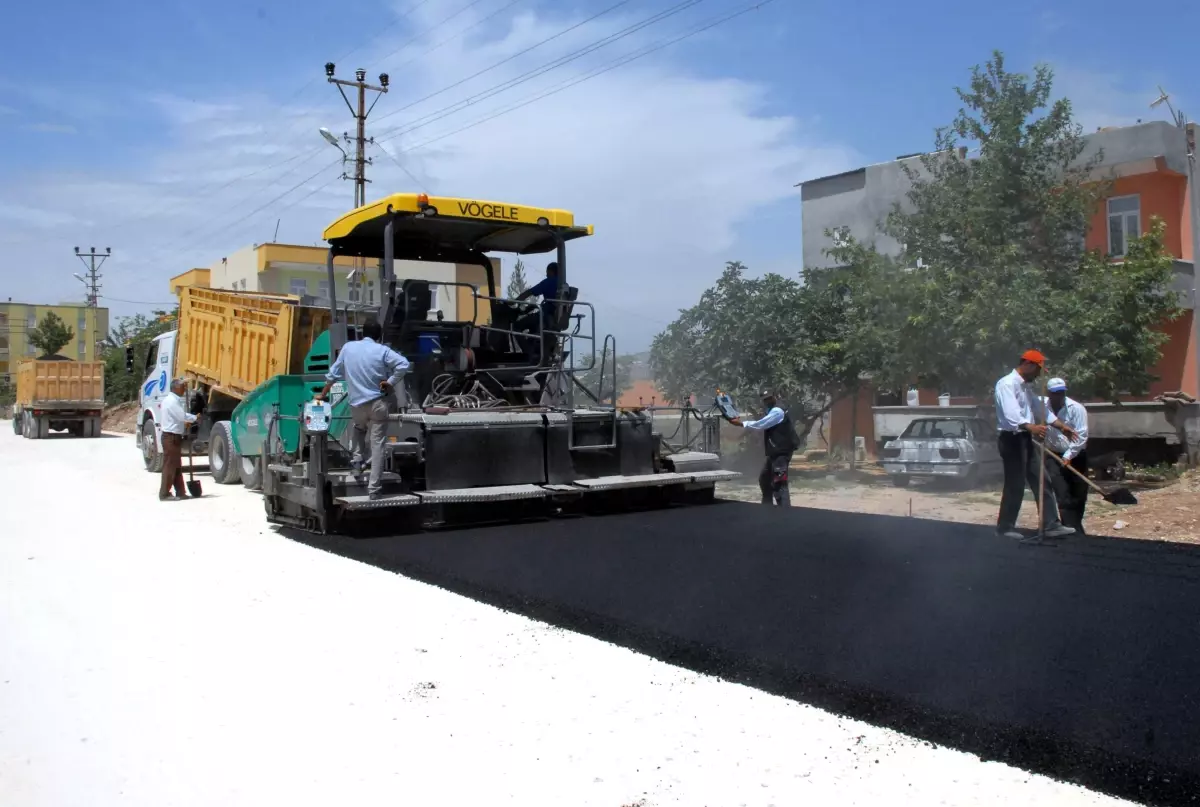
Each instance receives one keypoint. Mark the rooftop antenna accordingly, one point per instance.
(1164, 98)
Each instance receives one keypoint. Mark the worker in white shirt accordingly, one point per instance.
(1071, 490)
(1020, 415)
(779, 440)
(174, 419)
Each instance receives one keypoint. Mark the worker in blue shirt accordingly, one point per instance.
(371, 371)
(549, 290)
(780, 441)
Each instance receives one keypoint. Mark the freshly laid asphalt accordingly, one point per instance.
(1080, 660)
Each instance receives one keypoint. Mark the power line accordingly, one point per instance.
(137, 302)
(214, 188)
(613, 65)
(413, 39)
(506, 60)
(464, 31)
(529, 75)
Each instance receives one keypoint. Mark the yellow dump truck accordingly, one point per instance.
(226, 344)
(58, 394)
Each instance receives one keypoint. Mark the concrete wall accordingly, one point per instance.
(238, 270)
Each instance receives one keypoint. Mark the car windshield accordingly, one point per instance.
(936, 427)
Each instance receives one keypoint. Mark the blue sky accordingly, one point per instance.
(121, 126)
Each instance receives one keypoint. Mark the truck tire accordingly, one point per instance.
(41, 428)
(222, 459)
(251, 472)
(17, 420)
(151, 456)
(97, 427)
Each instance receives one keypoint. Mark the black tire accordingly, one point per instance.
(97, 427)
(151, 456)
(222, 459)
(901, 480)
(17, 419)
(26, 425)
(251, 472)
(40, 428)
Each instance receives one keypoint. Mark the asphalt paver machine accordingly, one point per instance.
(494, 422)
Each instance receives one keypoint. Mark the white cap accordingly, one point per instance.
(1056, 385)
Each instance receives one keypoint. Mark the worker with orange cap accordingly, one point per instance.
(1020, 415)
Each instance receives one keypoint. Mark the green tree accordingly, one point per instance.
(815, 342)
(517, 282)
(51, 334)
(994, 249)
(603, 389)
(136, 332)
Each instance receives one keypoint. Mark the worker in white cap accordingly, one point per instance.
(1071, 490)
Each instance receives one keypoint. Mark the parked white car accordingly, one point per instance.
(958, 448)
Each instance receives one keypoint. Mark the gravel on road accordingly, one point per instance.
(183, 653)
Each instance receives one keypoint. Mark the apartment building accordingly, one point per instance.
(300, 270)
(1148, 166)
(17, 319)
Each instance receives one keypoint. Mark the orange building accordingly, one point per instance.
(1148, 167)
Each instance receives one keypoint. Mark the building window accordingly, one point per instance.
(82, 349)
(1124, 223)
(323, 289)
(298, 286)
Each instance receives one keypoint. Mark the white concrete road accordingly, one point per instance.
(183, 654)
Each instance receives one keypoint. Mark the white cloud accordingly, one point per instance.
(665, 163)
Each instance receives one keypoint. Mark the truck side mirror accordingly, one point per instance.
(129, 359)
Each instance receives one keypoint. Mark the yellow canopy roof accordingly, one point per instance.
(440, 225)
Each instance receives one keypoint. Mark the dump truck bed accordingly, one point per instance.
(234, 341)
(60, 384)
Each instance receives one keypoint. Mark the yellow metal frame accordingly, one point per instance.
(450, 207)
(234, 341)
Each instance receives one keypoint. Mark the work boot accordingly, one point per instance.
(1011, 534)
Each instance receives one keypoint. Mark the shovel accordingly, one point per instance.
(1116, 496)
(193, 485)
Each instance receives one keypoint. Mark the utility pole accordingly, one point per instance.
(360, 111)
(92, 281)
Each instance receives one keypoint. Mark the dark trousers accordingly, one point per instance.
(773, 480)
(1020, 458)
(1072, 492)
(172, 469)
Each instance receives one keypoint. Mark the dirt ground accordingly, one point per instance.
(1169, 513)
(121, 418)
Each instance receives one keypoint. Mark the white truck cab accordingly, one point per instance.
(160, 363)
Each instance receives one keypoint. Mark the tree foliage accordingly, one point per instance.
(992, 263)
(814, 343)
(136, 332)
(603, 388)
(995, 245)
(51, 334)
(517, 283)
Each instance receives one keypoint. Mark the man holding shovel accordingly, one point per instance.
(1071, 489)
(175, 420)
(1020, 415)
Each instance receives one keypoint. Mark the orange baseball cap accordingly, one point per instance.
(1034, 357)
